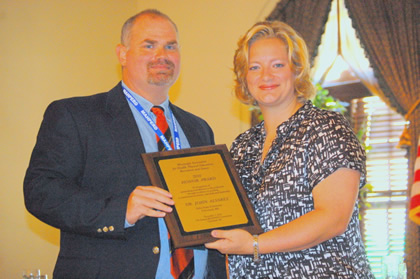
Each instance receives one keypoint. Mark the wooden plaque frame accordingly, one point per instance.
(187, 238)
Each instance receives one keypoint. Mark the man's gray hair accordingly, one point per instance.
(126, 29)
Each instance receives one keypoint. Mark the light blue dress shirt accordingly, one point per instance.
(149, 140)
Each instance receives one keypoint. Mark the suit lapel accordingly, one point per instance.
(125, 132)
(126, 135)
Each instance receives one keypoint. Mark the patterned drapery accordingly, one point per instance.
(307, 17)
(389, 33)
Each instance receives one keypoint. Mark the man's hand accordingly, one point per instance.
(148, 201)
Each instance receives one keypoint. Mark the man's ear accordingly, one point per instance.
(121, 52)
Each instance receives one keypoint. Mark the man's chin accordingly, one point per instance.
(161, 79)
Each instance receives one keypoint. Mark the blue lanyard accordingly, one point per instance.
(152, 124)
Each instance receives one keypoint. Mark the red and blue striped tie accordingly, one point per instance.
(182, 260)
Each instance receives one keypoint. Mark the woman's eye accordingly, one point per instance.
(278, 65)
(253, 68)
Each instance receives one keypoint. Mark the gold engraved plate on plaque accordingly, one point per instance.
(204, 195)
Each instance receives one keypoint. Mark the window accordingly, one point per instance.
(383, 222)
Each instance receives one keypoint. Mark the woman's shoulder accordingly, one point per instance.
(252, 133)
(323, 114)
(319, 120)
(250, 136)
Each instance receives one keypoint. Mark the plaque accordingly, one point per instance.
(207, 192)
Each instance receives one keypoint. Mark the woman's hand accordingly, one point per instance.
(232, 242)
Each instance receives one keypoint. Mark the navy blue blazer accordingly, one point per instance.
(86, 162)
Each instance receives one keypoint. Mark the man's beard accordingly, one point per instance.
(163, 77)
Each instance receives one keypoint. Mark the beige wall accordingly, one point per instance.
(52, 49)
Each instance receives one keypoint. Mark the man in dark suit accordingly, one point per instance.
(86, 176)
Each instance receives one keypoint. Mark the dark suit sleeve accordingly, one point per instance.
(53, 183)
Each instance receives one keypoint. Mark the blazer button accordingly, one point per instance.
(155, 250)
(111, 228)
(99, 230)
(105, 229)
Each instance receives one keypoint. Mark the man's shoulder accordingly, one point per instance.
(89, 98)
(90, 101)
(82, 99)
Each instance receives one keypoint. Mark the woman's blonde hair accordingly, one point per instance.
(297, 52)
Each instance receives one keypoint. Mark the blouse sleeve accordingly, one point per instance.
(333, 145)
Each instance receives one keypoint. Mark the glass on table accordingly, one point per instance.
(393, 267)
(33, 274)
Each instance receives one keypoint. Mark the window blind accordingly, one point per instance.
(383, 222)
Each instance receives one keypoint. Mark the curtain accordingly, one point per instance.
(345, 36)
(389, 33)
(355, 56)
(307, 17)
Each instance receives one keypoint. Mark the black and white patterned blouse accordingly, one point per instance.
(310, 146)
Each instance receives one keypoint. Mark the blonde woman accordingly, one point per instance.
(302, 168)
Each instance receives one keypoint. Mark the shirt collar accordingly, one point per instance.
(285, 127)
(294, 120)
(147, 105)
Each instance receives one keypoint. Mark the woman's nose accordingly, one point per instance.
(266, 74)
